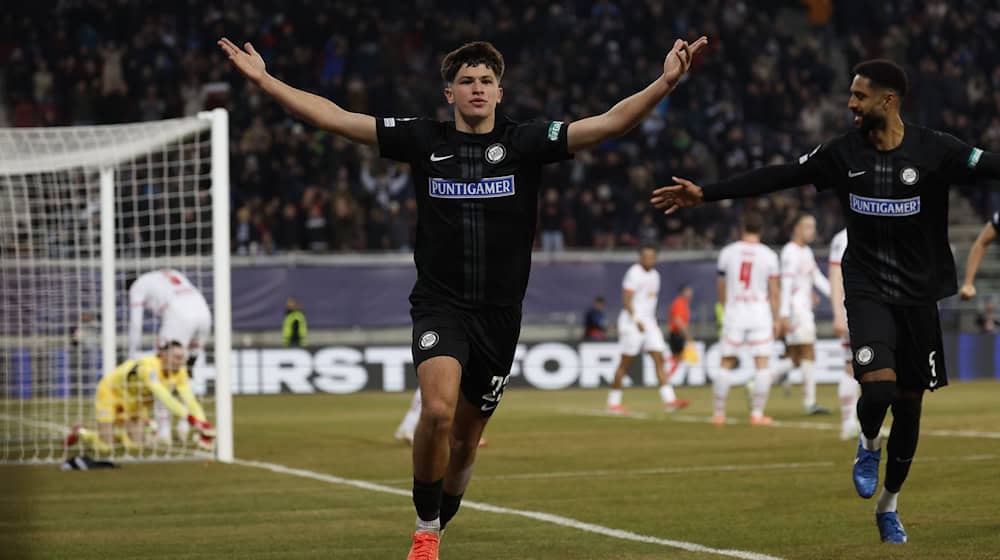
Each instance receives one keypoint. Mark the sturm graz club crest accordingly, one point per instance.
(495, 153)
(428, 340)
(864, 355)
(909, 175)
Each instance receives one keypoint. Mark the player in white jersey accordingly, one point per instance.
(799, 275)
(847, 389)
(184, 317)
(748, 284)
(638, 330)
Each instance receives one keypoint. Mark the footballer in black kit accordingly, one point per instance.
(476, 183)
(892, 179)
(477, 196)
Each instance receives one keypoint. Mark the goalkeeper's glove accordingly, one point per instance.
(206, 433)
(204, 427)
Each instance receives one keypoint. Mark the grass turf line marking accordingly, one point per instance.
(536, 515)
(972, 434)
(639, 472)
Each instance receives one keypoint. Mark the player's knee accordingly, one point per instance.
(438, 412)
(878, 393)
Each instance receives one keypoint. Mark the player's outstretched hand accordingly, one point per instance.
(248, 62)
(204, 427)
(968, 291)
(678, 60)
(684, 194)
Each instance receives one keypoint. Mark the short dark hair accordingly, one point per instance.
(473, 54)
(884, 73)
(171, 344)
(599, 299)
(648, 245)
(752, 222)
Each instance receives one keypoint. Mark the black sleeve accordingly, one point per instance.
(542, 141)
(402, 139)
(815, 167)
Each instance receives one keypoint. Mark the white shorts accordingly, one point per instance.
(632, 341)
(189, 324)
(802, 329)
(758, 339)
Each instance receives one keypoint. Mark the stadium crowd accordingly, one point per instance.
(772, 84)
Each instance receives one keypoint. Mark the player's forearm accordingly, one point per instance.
(193, 406)
(972, 263)
(629, 112)
(319, 111)
(163, 395)
(759, 181)
(785, 298)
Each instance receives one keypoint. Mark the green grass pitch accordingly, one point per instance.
(783, 491)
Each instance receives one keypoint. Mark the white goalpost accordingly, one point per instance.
(83, 212)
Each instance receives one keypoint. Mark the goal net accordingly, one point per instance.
(84, 211)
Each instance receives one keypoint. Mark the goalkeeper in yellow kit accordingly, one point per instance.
(125, 396)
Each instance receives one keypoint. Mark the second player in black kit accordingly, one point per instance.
(892, 179)
(477, 196)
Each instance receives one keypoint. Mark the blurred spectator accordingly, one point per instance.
(551, 222)
(987, 321)
(595, 324)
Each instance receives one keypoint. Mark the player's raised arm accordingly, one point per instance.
(317, 111)
(986, 236)
(629, 112)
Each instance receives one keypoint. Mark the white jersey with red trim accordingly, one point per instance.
(799, 274)
(645, 288)
(748, 267)
(168, 294)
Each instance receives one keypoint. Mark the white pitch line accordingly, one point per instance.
(972, 434)
(638, 472)
(536, 515)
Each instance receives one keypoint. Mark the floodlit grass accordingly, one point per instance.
(784, 491)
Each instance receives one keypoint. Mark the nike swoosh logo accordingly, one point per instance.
(853, 174)
(437, 158)
(487, 408)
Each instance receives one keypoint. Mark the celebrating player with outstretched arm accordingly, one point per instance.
(476, 181)
(986, 236)
(892, 179)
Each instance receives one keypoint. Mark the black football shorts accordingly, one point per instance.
(483, 340)
(906, 339)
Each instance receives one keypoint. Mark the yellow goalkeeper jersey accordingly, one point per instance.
(143, 379)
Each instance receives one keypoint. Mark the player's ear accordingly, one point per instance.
(449, 95)
(499, 94)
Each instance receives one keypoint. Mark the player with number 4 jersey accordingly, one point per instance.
(748, 287)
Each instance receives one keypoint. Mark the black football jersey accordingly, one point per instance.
(895, 204)
(477, 200)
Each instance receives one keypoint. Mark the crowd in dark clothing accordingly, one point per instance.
(771, 85)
